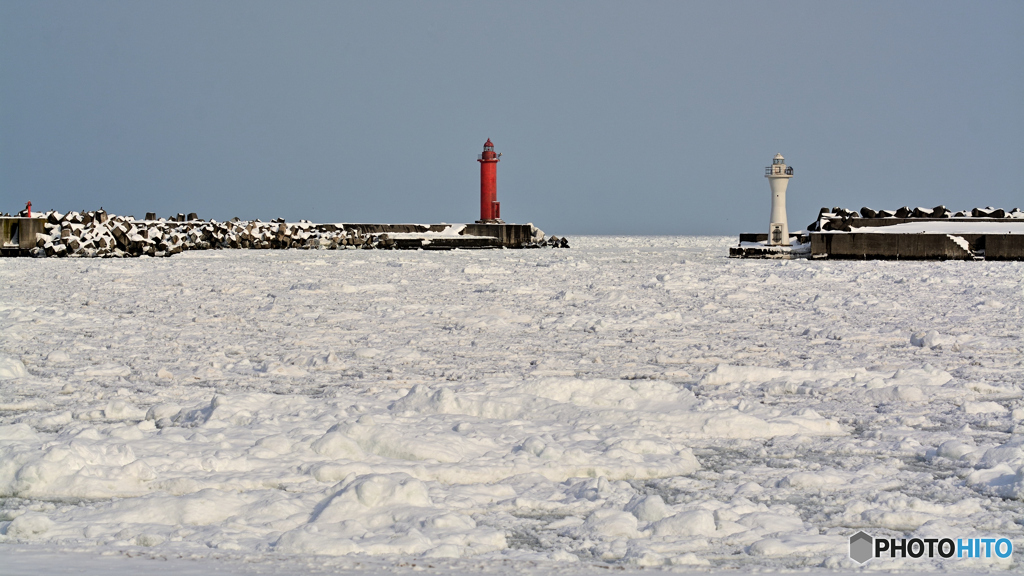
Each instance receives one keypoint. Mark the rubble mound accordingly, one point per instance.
(841, 218)
(98, 234)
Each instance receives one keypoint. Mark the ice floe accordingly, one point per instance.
(633, 402)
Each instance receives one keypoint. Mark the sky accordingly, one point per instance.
(612, 117)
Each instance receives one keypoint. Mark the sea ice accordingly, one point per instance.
(633, 402)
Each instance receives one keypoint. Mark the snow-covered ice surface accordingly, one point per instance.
(630, 402)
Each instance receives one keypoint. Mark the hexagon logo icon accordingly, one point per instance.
(860, 547)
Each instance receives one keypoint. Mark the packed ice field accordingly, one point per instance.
(631, 402)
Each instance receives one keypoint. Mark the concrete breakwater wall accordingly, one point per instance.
(98, 234)
(888, 247)
(867, 244)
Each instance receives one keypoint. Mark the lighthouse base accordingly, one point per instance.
(759, 246)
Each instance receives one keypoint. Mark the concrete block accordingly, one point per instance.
(19, 234)
(1004, 247)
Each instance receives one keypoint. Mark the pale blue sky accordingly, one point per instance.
(613, 117)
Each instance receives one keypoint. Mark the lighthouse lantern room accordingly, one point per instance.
(778, 175)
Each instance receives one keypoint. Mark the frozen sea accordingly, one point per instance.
(632, 402)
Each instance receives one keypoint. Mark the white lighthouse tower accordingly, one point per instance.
(778, 175)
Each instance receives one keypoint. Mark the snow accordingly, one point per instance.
(951, 227)
(960, 241)
(450, 231)
(11, 368)
(631, 402)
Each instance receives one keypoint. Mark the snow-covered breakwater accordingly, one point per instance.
(842, 219)
(908, 234)
(97, 234)
(630, 402)
(918, 234)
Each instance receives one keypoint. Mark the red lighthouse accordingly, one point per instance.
(490, 208)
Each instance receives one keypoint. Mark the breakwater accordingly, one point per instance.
(98, 234)
(902, 234)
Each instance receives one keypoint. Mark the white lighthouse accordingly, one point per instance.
(778, 175)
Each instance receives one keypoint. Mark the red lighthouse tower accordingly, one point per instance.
(490, 208)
